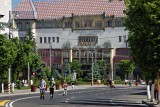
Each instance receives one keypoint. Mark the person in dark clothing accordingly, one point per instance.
(52, 84)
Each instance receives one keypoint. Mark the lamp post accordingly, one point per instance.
(51, 60)
(92, 68)
(28, 73)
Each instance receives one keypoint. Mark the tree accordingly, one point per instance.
(144, 39)
(8, 53)
(102, 67)
(67, 45)
(76, 66)
(127, 67)
(143, 22)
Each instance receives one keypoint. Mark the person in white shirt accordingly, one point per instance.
(42, 87)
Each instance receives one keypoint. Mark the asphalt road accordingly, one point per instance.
(92, 97)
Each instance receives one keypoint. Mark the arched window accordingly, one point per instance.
(87, 23)
(77, 24)
(99, 24)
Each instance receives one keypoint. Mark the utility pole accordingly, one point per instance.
(51, 60)
(92, 68)
(28, 73)
(9, 79)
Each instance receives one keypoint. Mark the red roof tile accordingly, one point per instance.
(52, 9)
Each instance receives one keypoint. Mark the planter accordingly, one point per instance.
(136, 83)
(46, 87)
(62, 84)
(33, 88)
(57, 86)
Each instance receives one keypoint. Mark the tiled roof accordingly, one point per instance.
(54, 9)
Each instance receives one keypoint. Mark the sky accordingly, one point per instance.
(15, 2)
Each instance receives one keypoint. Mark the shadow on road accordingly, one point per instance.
(107, 102)
(139, 93)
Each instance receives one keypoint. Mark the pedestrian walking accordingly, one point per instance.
(113, 84)
(110, 82)
(52, 84)
(73, 85)
(65, 88)
(42, 87)
(129, 83)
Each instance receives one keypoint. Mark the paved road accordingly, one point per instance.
(90, 97)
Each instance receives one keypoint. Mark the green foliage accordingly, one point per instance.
(76, 66)
(8, 53)
(16, 54)
(67, 45)
(126, 66)
(36, 82)
(143, 20)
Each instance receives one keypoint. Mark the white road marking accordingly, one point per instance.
(10, 104)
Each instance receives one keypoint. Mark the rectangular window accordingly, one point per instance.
(57, 39)
(27, 25)
(49, 39)
(120, 38)
(45, 39)
(21, 38)
(124, 37)
(19, 26)
(40, 39)
(53, 39)
(87, 40)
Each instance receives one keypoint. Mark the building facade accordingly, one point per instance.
(7, 22)
(76, 29)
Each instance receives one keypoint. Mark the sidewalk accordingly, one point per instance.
(28, 91)
(137, 98)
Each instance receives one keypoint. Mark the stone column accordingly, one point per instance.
(112, 54)
(70, 55)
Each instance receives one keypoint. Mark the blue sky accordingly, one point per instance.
(15, 2)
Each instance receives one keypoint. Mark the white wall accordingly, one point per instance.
(109, 34)
(5, 6)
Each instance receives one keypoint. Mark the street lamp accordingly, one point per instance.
(51, 59)
(92, 67)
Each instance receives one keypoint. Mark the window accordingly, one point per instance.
(120, 38)
(98, 24)
(27, 25)
(87, 40)
(53, 39)
(19, 26)
(77, 24)
(21, 38)
(49, 39)
(45, 39)
(40, 39)
(68, 24)
(57, 39)
(110, 23)
(124, 38)
(39, 24)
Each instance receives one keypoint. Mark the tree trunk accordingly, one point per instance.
(148, 92)
(152, 92)
(152, 87)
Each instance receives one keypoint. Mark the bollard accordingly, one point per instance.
(2, 88)
(8, 88)
(13, 87)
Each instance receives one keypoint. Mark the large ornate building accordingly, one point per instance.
(73, 29)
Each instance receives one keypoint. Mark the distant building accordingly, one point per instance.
(7, 19)
(74, 29)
